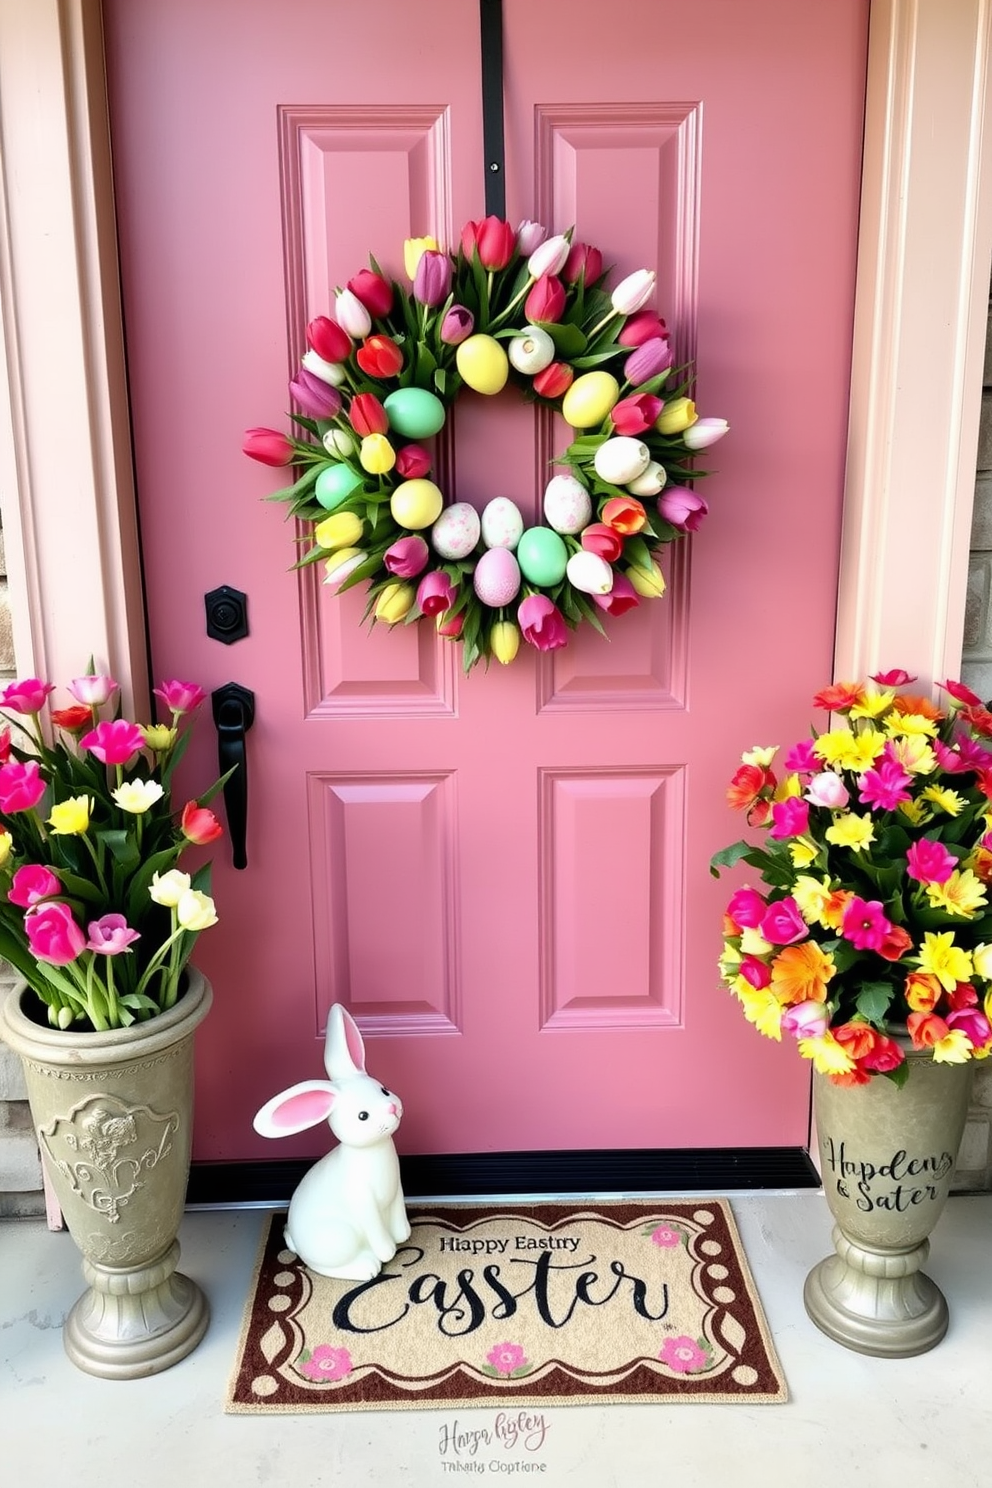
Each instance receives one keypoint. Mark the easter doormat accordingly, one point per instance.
(543, 1304)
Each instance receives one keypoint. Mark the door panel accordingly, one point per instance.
(504, 876)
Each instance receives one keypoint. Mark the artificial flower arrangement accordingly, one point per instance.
(378, 380)
(874, 918)
(94, 912)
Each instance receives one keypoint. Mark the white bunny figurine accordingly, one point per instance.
(347, 1214)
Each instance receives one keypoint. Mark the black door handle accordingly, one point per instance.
(234, 714)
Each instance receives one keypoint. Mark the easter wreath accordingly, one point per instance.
(378, 380)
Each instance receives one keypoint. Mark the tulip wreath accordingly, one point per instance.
(378, 381)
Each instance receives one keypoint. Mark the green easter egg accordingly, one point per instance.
(336, 484)
(414, 412)
(542, 556)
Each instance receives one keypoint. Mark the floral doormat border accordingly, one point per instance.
(495, 1304)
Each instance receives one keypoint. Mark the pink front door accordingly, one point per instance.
(504, 877)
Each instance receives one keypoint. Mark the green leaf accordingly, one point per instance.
(873, 1001)
(569, 341)
(729, 857)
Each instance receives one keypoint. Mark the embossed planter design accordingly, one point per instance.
(887, 1158)
(113, 1113)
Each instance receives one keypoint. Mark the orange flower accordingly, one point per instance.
(856, 1076)
(746, 786)
(922, 991)
(926, 1030)
(858, 1039)
(624, 514)
(839, 697)
(920, 706)
(800, 973)
(833, 908)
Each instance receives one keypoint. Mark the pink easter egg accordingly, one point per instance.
(497, 577)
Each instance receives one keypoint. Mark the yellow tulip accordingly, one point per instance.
(376, 454)
(6, 843)
(394, 601)
(676, 416)
(159, 737)
(504, 639)
(340, 530)
(72, 817)
(649, 582)
(413, 251)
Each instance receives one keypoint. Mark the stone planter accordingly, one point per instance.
(113, 1114)
(887, 1158)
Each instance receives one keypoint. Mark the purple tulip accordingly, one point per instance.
(315, 397)
(647, 361)
(432, 281)
(457, 325)
(529, 236)
(682, 507)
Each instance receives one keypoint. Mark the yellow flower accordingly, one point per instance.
(914, 754)
(72, 817)
(812, 895)
(340, 530)
(195, 911)
(953, 1048)
(6, 843)
(753, 944)
(395, 601)
(413, 251)
(944, 799)
(873, 705)
(648, 582)
(677, 415)
(790, 786)
(943, 959)
(763, 1010)
(159, 737)
(828, 1057)
(136, 796)
(803, 851)
(728, 963)
(851, 830)
(760, 756)
(504, 638)
(376, 454)
(961, 894)
(846, 751)
(903, 724)
(916, 812)
(169, 888)
(981, 958)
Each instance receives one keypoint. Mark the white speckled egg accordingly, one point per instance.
(621, 460)
(497, 577)
(567, 505)
(456, 531)
(502, 523)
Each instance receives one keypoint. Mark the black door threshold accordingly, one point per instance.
(477, 1174)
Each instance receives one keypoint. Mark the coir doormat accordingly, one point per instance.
(544, 1304)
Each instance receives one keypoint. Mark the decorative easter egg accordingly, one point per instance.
(651, 480)
(497, 577)
(590, 573)
(532, 351)
(589, 399)
(621, 459)
(456, 531)
(502, 523)
(416, 504)
(567, 504)
(336, 484)
(414, 412)
(482, 364)
(542, 556)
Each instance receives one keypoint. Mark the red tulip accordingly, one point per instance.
(435, 593)
(412, 462)
(583, 259)
(546, 300)
(641, 327)
(541, 623)
(328, 340)
(73, 718)
(621, 598)
(268, 446)
(450, 625)
(375, 292)
(367, 415)
(379, 356)
(554, 381)
(198, 824)
(635, 414)
(493, 239)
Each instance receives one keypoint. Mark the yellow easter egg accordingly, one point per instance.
(589, 399)
(482, 364)
(416, 504)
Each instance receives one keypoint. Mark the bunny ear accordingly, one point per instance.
(344, 1051)
(295, 1109)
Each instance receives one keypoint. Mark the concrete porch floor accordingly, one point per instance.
(850, 1419)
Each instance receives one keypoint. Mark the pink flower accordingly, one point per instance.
(704, 432)
(682, 507)
(26, 697)
(747, 908)
(641, 327)
(546, 301)
(782, 923)
(897, 677)
(435, 593)
(93, 691)
(884, 786)
(326, 1363)
(198, 824)
(407, 557)
(683, 1355)
(328, 340)
(583, 259)
(885, 1054)
(114, 742)
(755, 972)
(506, 1358)
(21, 786)
(530, 235)
(927, 861)
(790, 817)
(375, 293)
(950, 759)
(267, 446)
(826, 789)
(450, 625)
(53, 934)
(973, 1023)
(621, 598)
(180, 697)
(432, 281)
(412, 462)
(110, 935)
(635, 414)
(31, 883)
(666, 1237)
(806, 1020)
(648, 360)
(457, 325)
(604, 541)
(541, 623)
(315, 396)
(961, 693)
(865, 924)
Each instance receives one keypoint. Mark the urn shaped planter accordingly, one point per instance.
(113, 1115)
(887, 1158)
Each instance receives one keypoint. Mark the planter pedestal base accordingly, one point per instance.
(876, 1301)
(135, 1321)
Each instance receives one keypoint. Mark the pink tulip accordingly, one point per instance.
(21, 786)
(31, 883)
(782, 923)
(457, 326)
(267, 446)
(110, 935)
(494, 240)
(897, 677)
(754, 971)
(973, 1023)
(450, 625)
(328, 339)
(704, 432)
(413, 462)
(541, 623)
(407, 557)
(27, 696)
(549, 257)
(648, 360)
(828, 789)
(529, 236)
(602, 540)
(806, 1020)
(583, 260)
(53, 934)
(635, 414)
(546, 300)
(114, 742)
(352, 315)
(435, 593)
(315, 397)
(642, 327)
(957, 690)
(180, 697)
(633, 292)
(375, 293)
(621, 598)
(432, 281)
(683, 508)
(93, 691)
(747, 908)
(198, 824)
